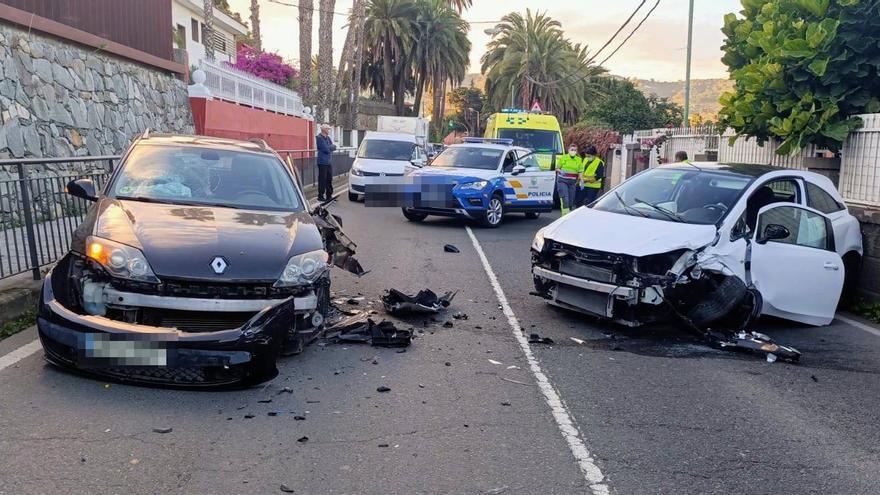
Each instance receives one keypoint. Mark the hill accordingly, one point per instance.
(704, 93)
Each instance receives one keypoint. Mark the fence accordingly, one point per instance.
(236, 86)
(860, 165)
(305, 163)
(37, 218)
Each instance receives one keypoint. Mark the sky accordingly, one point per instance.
(656, 51)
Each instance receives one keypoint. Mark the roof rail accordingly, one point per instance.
(146, 134)
(263, 144)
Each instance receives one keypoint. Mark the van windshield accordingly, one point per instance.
(533, 139)
(385, 149)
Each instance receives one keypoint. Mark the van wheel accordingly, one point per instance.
(494, 213)
(532, 215)
(413, 216)
(353, 197)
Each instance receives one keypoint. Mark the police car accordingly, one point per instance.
(484, 180)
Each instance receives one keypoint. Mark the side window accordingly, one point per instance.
(805, 228)
(415, 153)
(820, 200)
(529, 161)
(777, 191)
(509, 162)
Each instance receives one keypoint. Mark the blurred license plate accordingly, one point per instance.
(98, 349)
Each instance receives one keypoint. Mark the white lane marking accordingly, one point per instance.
(566, 425)
(17, 355)
(859, 325)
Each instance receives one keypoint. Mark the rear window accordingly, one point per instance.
(820, 200)
(386, 149)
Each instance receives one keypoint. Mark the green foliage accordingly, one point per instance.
(468, 107)
(802, 70)
(869, 310)
(623, 108)
(14, 326)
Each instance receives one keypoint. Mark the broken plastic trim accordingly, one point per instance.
(426, 301)
(361, 329)
(340, 247)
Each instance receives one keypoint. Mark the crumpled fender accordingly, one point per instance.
(340, 247)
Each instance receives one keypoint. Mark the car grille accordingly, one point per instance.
(586, 263)
(196, 321)
(208, 290)
(379, 174)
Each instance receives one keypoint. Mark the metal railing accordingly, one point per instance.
(860, 163)
(305, 163)
(231, 84)
(37, 218)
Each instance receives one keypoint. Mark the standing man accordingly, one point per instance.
(594, 174)
(681, 157)
(568, 176)
(325, 168)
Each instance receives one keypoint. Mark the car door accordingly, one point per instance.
(533, 186)
(794, 264)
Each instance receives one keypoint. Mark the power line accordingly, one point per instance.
(632, 33)
(286, 4)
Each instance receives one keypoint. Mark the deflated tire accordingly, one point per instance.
(727, 296)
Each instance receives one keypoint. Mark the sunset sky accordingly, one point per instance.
(656, 51)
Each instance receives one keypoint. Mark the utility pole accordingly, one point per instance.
(687, 77)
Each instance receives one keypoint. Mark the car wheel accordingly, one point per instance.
(494, 213)
(719, 302)
(413, 216)
(532, 215)
(852, 263)
(354, 197)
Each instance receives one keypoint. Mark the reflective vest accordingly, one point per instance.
(570, 167)
(590, 172)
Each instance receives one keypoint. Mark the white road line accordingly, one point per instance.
(17, 355)
(859, 325)
(566, 425)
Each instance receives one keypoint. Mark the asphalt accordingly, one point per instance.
(658, 411)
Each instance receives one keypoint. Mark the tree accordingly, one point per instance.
(255, 25)
(390, 33)
(208, 35)
(325, 57)
(802, 70)
(468, 104)
(531, 60)
(268, 66)
(624, 109)
(306, 8)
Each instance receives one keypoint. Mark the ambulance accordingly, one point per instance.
(532, 130)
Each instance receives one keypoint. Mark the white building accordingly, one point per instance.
(187, 17)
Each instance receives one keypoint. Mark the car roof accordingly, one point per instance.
(494, 146)
(391, 136)
(747, 169)
(206, 141)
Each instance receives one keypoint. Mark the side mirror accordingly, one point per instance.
(82, 188)
(418, 162)
(773, 232)
(518, 169)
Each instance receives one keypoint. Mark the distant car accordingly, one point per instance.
(714, 244)
(383, 155)
(434, 149)
(197, 265)
(485, 179)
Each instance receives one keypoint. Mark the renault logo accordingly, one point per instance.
(219, 265)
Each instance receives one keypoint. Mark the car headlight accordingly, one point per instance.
(356, 171)
(303, 269)
(538, 241)
(120, 260)
(478, 185)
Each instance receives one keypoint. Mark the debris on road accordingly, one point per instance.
(265, 401)
(286, 489)
(535, 338)
(340, 247)
(285, 390)
(449, 248)
(460, 316)
(302, 439)
(514, 381)
(426, 301)
(383, 388)
(163, 430)
(448, 324)
(758, 343)
(495, 362)
(577, 340)
(360, 329)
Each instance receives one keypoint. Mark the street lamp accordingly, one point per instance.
(477, 126)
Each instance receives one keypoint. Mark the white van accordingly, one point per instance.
(383, 154)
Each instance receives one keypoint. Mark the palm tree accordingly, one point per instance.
(255, 24)
(389, 34)
(208, 35)
(459, 5)
(306, 7)
(325, 57)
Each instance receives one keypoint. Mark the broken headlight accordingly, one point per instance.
(120, 260)
(304, 269)
(538, 241)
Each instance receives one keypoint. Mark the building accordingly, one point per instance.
(188, 19)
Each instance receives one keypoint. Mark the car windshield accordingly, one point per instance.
(190, 175)
(533, 139)
(469, 157)
(676, 195)
(386, 149)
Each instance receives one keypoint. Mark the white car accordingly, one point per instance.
(383, 155)
(713, 244)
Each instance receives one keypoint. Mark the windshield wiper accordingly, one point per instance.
(146, 199)
(668, 213)
(143, 199)
(626, 207)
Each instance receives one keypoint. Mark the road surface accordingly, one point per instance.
(472, 409)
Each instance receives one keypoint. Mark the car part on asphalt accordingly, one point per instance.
(340, 247)
(360, 329)
(426, 301)
(449, 248)
(758, 343)
(535, 338)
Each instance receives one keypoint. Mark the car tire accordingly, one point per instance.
(494, 213)
(353, 197)
(852, 264)
(532, 215)
(413, 216)
(718, 303)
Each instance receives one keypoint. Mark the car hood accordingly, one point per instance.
(457, 173)
(381, 166)
(626, 234)
(181, 241)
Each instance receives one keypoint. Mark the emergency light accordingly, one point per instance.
(476, 140)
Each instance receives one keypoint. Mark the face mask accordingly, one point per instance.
(572, 152)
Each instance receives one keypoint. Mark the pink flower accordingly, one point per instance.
(268, 66)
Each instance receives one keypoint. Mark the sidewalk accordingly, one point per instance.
(18, 293)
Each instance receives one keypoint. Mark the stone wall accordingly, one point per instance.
(869, 279)
(61, 99)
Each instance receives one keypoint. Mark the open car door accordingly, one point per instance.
(532, 185)
(794, 264)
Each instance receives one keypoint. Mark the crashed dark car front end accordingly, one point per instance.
(197, 265)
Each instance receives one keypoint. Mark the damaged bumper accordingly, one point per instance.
(156, 355)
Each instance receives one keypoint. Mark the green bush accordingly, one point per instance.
(802, 70)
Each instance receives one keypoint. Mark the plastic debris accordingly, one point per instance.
(383, 388)
(758, 343)
(426, 301)
(302, 439)
(299, 418)
(265, 401)
(361, 329)
(249, 416)
(495, 362)
(535, 338)
(577, 340)
(449, 248)
(286, 489)
(448, 324)
(163, 430)
(460, 316)
(771, 358)
(276, 412)
(285, 390)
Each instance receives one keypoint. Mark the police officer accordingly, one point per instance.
(570, 168)
(593, 175)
